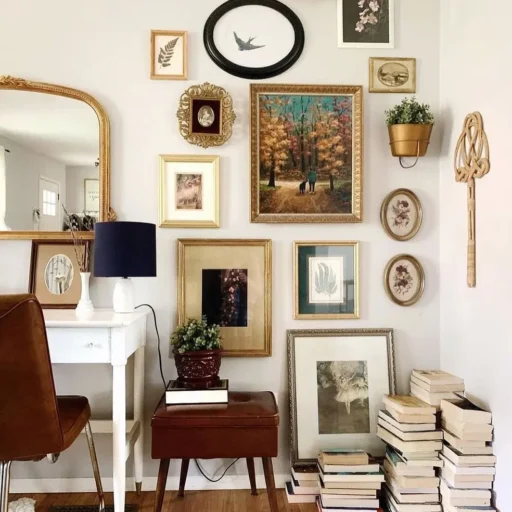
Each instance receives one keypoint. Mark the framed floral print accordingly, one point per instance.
(393, 74)
(336, 381)
(326, 280)
(189, 191)
(230, 283)
(404, 280)
(168, 55)
(306, 153)
(366, 23)
(401, 214)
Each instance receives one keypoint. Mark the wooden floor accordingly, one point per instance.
(194, 501)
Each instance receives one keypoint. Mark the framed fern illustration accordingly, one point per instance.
(168, 55)
(326, 280)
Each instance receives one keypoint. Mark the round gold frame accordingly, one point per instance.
(417, 204)
(227, 115)
(106, 211)
(421, 274)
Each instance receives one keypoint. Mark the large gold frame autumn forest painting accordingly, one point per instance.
(306, 153)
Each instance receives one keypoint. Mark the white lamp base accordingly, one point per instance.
(124, 296)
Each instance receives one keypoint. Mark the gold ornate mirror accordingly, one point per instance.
(54, 161)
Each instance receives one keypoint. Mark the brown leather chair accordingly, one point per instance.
(34, 422)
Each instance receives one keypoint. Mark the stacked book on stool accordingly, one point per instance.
(432, 386)
(469, 463)
(408, 426)
(349, 481)
(304, 486)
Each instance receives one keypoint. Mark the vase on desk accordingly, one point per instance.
(85, 307)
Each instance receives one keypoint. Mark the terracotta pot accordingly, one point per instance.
(198, 369)
(409, 139)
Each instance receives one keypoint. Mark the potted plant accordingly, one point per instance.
(410, 126)
(197, 353)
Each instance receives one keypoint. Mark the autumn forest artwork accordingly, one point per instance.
(306, 154)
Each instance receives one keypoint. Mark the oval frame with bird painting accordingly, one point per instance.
(254, 39)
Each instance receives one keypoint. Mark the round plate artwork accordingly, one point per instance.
(401, 214)
(404, 280)
(254, 39)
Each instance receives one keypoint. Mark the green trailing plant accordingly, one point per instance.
(196, 335)
(410, 112)
(325, 280)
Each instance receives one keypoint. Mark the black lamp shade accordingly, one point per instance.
(125, 249)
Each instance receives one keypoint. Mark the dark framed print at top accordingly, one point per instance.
(254, 39)
(230, 283)
(326, 280)
(366, 23)
(336, 382)
(306, 153)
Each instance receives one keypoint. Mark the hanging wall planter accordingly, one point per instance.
(410, 127)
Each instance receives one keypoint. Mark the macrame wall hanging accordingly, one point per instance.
(472, 161)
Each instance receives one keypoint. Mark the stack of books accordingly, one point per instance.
(304, 486)
(469, 464)
(408, 426)
(349, 481)
(432, 386)
(178, 393)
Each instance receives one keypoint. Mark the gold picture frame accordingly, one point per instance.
(242, 305)
(106, 213)
(342, 191)
(206, 115)
(343, 302)
(195, 209)
(405, 280)
(402, 71)
(171, 41)
(401, 214)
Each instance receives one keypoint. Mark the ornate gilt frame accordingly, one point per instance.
(421, 274)
(324, 316)
(106, 212)
(357, 179)
(227, 115)
(267, 246)
(417, 204)
(292, 391)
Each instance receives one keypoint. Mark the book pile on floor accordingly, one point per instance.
(178, 393)
(304, 486)
(349, 481)
(408, 426)
(432, 386)
(469, 463)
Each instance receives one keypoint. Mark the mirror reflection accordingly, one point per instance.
(49, 166)
(58, 274)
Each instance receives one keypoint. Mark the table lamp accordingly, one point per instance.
(124, 250)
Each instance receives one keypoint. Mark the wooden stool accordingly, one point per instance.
(246, 427)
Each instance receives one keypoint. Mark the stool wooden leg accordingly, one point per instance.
(271, 485)
(252, 476)
(160, 485)
(183, 477)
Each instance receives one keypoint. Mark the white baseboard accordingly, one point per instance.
(194, 483)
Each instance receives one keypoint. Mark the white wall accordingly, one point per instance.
(23, 169)
(108, 56)
(75, 185)
(475, 326)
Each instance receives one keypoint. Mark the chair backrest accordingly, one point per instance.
(29, 417)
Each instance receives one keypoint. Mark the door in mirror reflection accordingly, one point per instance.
(53, 150)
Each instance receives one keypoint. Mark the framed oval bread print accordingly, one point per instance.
(404, 280)
(401, 214)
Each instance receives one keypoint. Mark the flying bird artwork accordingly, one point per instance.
(244, 46)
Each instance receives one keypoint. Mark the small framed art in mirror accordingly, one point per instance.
(54, 161)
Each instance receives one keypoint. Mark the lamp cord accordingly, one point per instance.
(160, 364)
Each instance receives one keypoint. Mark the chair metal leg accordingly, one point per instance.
(95, 466)
(5, 476)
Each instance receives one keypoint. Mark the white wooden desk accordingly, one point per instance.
(108, 338)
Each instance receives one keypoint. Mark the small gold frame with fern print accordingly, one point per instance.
(326, 280)
(168, 55)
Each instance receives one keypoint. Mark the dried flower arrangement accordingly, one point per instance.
(82, 247)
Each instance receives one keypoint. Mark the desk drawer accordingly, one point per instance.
(79, 345)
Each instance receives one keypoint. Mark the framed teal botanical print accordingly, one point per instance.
(326, 280)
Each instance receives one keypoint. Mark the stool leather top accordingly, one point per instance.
(243, 409)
